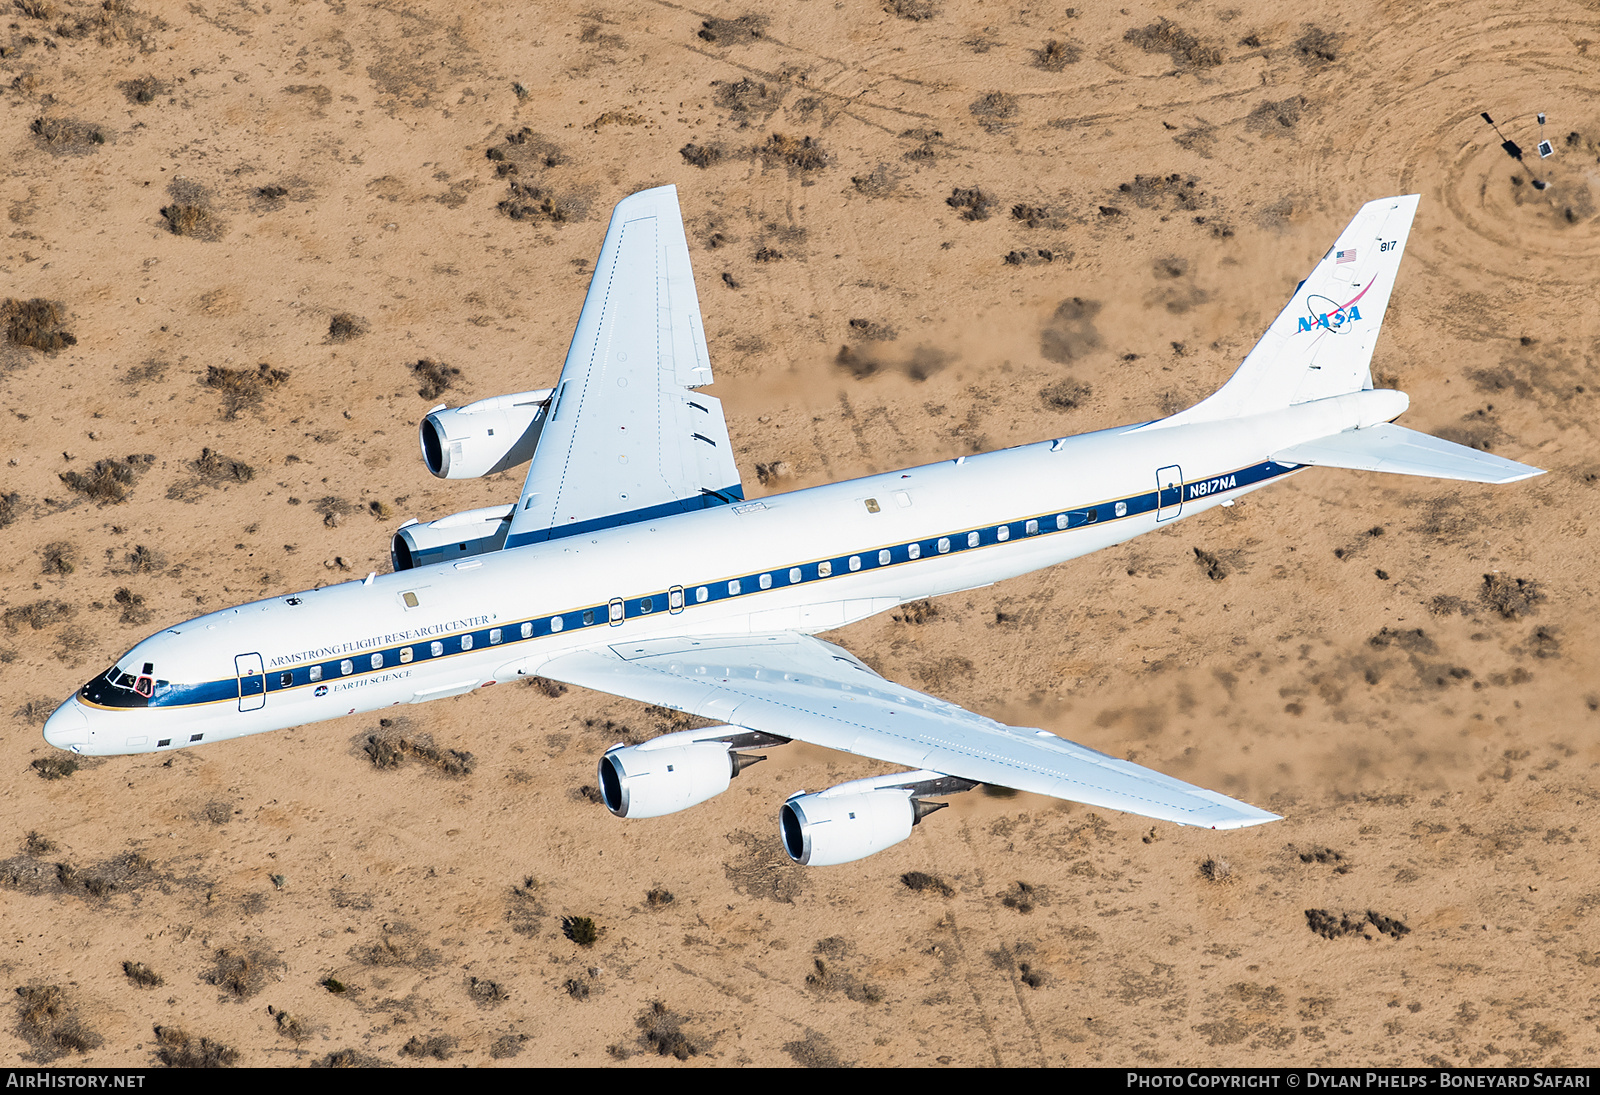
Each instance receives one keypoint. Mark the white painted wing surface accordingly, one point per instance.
(1391, 448)
(800, 687)
(626, 438)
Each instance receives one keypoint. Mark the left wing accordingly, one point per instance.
(625, 439)
(797, 686)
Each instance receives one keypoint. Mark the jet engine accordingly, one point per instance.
(676, 771)
(474, 532)
(484, 437)
(856, 819)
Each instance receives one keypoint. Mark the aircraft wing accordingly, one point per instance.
(797, 686)
(625, 438)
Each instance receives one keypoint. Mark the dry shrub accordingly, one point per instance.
(36, 324)
(658, 897)
(922, 882)
(1214, 567)
(348, 1058)
(8, 507)
(800, 153)
(701, 156)
(190, 213)
(440, 1047)
(108, 481)
(133, 607)
(1056, 55)
(46, 1023)
(142, 975)
(1065, 395)
(915, 11)
(34, 712)
(345, 327)
(290, 1026)
(1024, 897)
(662, 1031)
(65, 136)
(732, 32)
(241, 974)
(59, 557)
(175, 1048)
(391, 745)
(507, 1045)
(530, 202)
(971, 202)
(213, 467)
(396, 945)
(486, 993)
(746, 96)
(55, 767)
(435, 376)
(38, 615)
(1510, 597)
(1215, 870)
(1317, 47)
(243, 388)
(142, 89)
(996, 106)
(1167, 37)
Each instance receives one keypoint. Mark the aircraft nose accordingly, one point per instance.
(68, 728)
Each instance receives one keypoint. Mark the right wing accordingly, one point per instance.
(796, 686)
(625, 439)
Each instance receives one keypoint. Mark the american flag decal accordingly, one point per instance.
(1344, 256)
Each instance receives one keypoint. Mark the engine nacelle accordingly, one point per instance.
(474, 532)
(820, 830)
(672, 772)
(484, 437)
(856, 819)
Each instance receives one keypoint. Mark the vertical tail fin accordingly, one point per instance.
(1321, 343)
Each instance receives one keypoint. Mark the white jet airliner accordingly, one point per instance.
(631, 562)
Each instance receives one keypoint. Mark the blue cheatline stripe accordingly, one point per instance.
(708, 500)
(723, 589)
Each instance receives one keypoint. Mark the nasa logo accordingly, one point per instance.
(1329, 315)
(322, 690)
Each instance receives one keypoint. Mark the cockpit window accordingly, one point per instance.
(117, 687)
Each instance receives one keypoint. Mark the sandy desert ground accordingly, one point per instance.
(920, 229)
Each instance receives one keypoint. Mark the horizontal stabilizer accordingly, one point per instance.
(1387, 447)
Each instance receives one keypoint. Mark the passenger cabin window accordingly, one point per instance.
(884, 557)
(616, 612)
(285, 680)
(647, 604)
(674, 599)
(377, 661)
(824, 569)
(527, 630)
(914, 551)
(765, 581)
(346, 667)
(944, 545)
(436, 649)
(701, 595)
(794, 575)
(405, 655)
(855, 562)
(316, 673)
(1032, 528)
(972, 539)
(1122, 509)
(588, 617)
(1092, 516)
(466, 642)
(733, 588)
(1061, 520)
(1004, 533)
(558, 622)
(495, 635)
